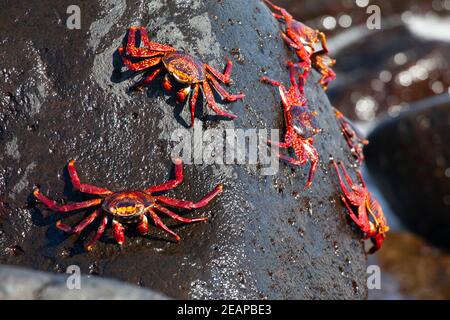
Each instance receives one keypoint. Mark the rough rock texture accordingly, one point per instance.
(63, 96)
(409, 160)
(18, 283)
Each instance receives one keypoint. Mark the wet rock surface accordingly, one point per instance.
(19, 283)
(63, 96)
(409, 160)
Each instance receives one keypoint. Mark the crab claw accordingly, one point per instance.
(119, 233)
(142, 227)
(377, 242)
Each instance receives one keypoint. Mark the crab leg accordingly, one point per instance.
(81, 226)
(347, 194)
(148, 79)
(171, 183)
(86, 188)
(282, 145)
(174, 216)
(363, 183)
(273, 6)
(292, 160)
(299, 87)
(98, 234)
(119, 232)
(292, 73)
(160, 224)
(188, 204)
(283, 92)
(350, 211)
(224, 93)
(151, 47)
(141, 65)
(314, 163)
(291, 43)
(323, 41)
(212, 103)
(225, 76)
(346, 176)
(271, 81)
(54, 206)
(193, 101)
(286, 16)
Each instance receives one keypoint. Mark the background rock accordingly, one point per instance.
(63, 96)
(18, 283)
(412, 269)
(382, 71)
(409, 160)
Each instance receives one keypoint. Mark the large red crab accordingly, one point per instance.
(184, 68)
(301, 126)
(125, 207)
(363, 208)
(304, 40)
(354, 139)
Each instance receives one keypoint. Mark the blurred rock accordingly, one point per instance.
(23, 284)
(411, 269)
(388, 71)
(381, 71)
(409, 159)
(63, 97)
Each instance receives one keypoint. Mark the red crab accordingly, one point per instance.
(352, 136)
(304, 40)
(301, 126)
(126, 207)
(361, 205)
(323, 64)
(184, 68)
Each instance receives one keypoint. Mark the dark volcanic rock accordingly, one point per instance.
(409, 160)
(63, 96)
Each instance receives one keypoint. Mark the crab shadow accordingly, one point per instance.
(155, 89)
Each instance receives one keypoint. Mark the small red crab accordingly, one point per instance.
(323, 64)
(126, 206)
(301, 126)
(184, 68)
(304, 40)
(360, 204)
(352, 136)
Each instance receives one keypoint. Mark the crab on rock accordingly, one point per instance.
(304, 40)
(363, 208)
(125, 207)
(301, 127)
(184, 68)
(352, 136)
